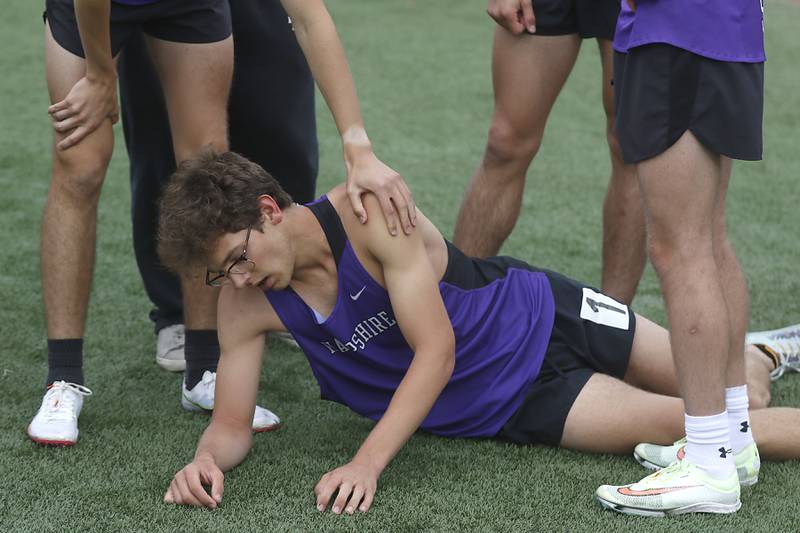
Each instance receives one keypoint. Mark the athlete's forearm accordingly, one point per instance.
(412, 401)
(323, 49)
(93, 24)
(226, 445)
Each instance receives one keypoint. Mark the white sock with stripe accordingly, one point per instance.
(708, 444)
(737, 403)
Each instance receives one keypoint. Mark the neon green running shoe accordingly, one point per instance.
(677, 489)
(656, 457)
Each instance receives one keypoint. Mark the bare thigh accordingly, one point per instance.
(196, 79)
(610, 416)
(64, 69)
(528, 73)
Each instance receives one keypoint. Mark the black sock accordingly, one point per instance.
(202, 353)
(64, 361)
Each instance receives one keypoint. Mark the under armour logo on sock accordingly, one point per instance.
(745, 427)
(723, 453)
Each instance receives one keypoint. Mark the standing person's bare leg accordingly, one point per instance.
(737, 304)
(624, 234)
(680, 247)
(528, 73)
(67, 253)
(196, 80)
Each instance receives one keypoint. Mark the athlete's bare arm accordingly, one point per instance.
(94, 98)
(317, 36)
(408, 275)
(514, 15)
(244, 317)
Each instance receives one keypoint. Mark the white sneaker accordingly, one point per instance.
(784, 342)
(169, 348)
(56, 423)
(677, 489)
(201, 398)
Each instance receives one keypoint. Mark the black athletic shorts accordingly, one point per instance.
(180, 21)
(592, 333)
(588, 18)
(661, 91)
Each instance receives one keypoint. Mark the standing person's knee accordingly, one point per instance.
(215, 139)
(79, 172)
(509, 145)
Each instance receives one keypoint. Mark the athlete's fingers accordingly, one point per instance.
(369, 495)
(528, 17)
(69, 124)
(177, 497)
(58, 106)
(74, 138)
(198, 491)
(412, 206)
(168, 497)
(216, 479)
(354, 194)
(401, 204)
(345, 488)
(385, 200)
(355, 499)
(114, 116)
(62, 114)
(186, 493)
(324, 490)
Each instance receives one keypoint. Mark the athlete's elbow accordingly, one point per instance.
(448, 357)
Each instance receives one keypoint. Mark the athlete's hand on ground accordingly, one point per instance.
(88, 104)
(187, 487)
(356, 483)
(514, 15)
(367, 173)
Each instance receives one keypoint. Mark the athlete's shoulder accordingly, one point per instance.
(246, 312)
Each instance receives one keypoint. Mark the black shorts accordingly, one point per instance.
(180, 21)
(662, 91)
(588, 18)
(592, 333)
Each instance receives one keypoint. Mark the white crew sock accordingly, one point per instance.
(708, 444)
(736, 403)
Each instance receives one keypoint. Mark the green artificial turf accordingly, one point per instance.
(422, 70)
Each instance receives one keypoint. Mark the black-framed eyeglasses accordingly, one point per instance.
(242, 265)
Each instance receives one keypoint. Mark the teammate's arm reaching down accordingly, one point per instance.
(418, 307)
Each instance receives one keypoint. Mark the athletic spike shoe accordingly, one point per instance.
(784, 342)
(656, 457)
(201, 398)
(677, 489)
(169, 348)
(56, 423)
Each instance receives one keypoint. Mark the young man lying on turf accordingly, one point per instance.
(411, 333)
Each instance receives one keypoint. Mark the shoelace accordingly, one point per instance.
(60, 400)
(789, 348)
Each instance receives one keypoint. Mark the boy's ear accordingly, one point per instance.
(270, 210)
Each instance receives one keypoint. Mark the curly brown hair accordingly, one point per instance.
(206, 197)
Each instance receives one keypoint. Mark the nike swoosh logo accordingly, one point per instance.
(356, 296)
(627, 491)
(681, 453)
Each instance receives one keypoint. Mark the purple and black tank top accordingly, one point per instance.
(724, 30)
(502, 313)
